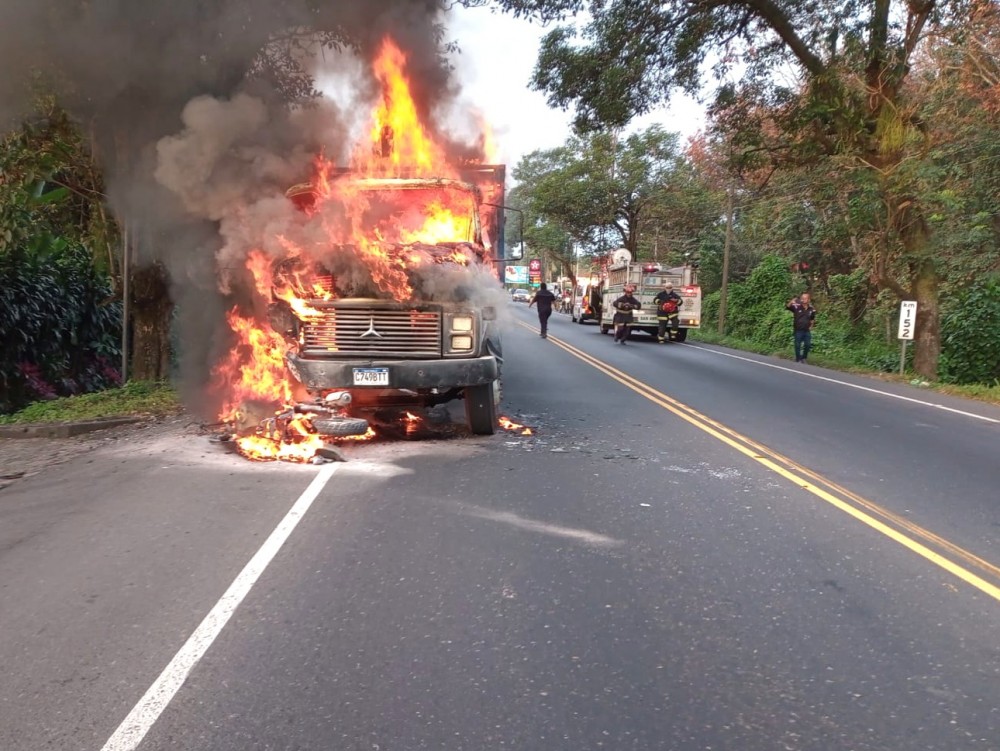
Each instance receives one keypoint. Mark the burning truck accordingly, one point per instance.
(385, 296)
(422, 344)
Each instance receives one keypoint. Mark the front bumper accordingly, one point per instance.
(317, 374)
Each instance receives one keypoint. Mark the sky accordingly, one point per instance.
(497, 57)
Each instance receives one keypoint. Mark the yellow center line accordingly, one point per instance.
(808, 480)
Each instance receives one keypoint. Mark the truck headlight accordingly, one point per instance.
(461, 323)
(461, 342)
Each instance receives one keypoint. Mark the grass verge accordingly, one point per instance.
(135, 398)
(979, 391)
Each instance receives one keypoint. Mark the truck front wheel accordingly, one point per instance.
(481, 409)
(340, 427)
(681, 335)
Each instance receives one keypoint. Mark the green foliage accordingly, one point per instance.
(710, 310)
(755, 310)
(60, 330)
(52, 186)
(970, 344)
(868, 129)
(135, 398)
(757, 320)
(59, 334)
(981, 391)
(849, 288)
(598, 192)
(837, 340)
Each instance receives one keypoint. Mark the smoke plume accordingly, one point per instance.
(187, 102)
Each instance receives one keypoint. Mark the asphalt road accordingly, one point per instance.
(698, 549)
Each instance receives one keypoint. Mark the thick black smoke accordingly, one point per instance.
(187, 135)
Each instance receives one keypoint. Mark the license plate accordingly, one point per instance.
(371, 376)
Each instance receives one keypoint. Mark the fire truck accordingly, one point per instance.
(648, 279)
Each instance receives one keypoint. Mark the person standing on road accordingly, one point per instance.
(803, 318)
(624, 306)
(668, 306)
(545, 299)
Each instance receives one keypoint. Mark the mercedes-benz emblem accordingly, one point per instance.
(371, 329)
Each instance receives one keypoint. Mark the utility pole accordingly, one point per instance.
(723, 294)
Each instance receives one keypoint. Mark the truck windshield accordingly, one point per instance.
(419, 214)
(400, 211)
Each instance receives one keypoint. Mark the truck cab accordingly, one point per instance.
(423, 333)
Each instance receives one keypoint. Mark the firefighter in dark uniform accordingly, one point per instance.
(668, 308)
(624, 306)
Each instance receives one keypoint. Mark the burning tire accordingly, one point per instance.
(341, 427)
(481, 409)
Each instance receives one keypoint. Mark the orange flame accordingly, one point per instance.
(491, 153)
(507, 424)
(300, 443)
(440, 225)
(254, 369)
(264, 448)
(412, 423)
(397, 132)
(390, 229)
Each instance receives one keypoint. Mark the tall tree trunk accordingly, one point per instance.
(632, 243)
(151, 312)
(914, 236)
(928, 324)
(724, 292)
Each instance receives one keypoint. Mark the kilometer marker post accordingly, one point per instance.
(907, 324)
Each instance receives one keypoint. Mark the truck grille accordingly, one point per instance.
(344, 332)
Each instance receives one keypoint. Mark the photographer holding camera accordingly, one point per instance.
(624, 306)
(803, 320)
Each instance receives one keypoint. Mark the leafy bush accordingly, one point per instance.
(756, 308)
(59, 329)
(970, 347)
(59, 335)
(881, 357)
(758, 320)
(710, 310)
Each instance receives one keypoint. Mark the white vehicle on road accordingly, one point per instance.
(587, 301)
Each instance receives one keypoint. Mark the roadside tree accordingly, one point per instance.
(849, 98)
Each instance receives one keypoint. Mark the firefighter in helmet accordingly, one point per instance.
(624, 306)
(668, 306)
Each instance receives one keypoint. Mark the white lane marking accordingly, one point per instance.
(138, 722)
(846, 383)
